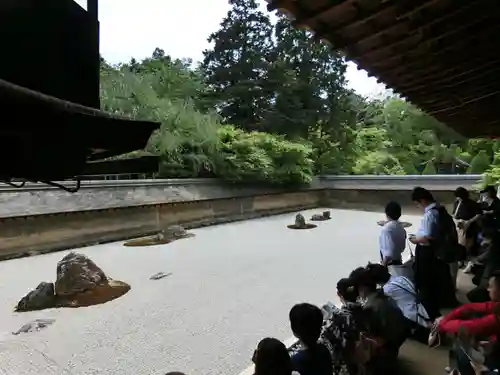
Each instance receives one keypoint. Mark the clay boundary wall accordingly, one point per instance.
(25, 235)
(37, 234)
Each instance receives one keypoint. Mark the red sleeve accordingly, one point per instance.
(469, 308)
(484, 326)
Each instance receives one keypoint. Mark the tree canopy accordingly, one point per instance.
(270, 104)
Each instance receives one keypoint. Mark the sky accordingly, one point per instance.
(133, 28)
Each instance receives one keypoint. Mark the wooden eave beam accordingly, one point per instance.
(467, 102)
(440, 69)
(336, 34)
(408, 24)
(456, 94)
(431, 66)
(463, 45)
(456, 80)
(364, 17)
(425, 40)
(436, 73)
(312, 17)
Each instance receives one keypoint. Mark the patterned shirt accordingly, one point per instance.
(341, 333)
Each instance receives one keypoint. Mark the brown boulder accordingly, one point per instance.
(80, 282)
(76, 273)
(41, 298)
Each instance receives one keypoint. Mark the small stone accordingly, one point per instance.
(175, 231)
(317, 217)
(160, 275)
(76, 273)
(327, 214)
(42, 297)
(35, 325)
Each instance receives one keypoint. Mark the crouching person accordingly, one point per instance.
(403, 292)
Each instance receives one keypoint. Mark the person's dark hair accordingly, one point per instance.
(271, 358)
(306, 321)
(462, 193)
(393, 210)
(379, 273)
(356, 272)
(421, 194)
(347, 290)
(365, 279)
(490, 190)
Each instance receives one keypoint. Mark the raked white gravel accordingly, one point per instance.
(231, 285)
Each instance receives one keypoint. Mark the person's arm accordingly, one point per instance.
(424, 235)
(473, 220)
(469, 309)
(484, 326)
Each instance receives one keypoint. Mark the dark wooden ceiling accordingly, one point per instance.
(442, 55)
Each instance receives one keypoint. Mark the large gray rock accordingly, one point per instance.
(76, 273)
(42, 297)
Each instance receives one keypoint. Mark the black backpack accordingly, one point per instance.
(446, 244)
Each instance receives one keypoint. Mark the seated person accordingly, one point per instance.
(314, 358)
(489, 262)
(473, 353)
(477, 319)
(341, 329)
(467, 213)
(402, 290)
(387, 322)
(271, 358)
(392, 239)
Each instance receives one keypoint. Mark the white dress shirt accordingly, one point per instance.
(392, 240)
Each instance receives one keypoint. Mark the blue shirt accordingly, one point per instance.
(392, 240)
(429, 225)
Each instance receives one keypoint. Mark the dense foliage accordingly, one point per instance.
(269, 104)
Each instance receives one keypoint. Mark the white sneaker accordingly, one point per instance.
(434, 337)
(468, 268)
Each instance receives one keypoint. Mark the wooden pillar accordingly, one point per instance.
(93, 11)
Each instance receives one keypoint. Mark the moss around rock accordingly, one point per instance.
(166, 236)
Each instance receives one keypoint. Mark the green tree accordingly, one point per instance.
(307, 79)
(235, 68)
(479, 163)
(429, 168)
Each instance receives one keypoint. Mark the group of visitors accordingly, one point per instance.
(387, 303)
(384, 304)
(362, 336)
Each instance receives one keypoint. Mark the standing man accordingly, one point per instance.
(392, 239)
(433, 239)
